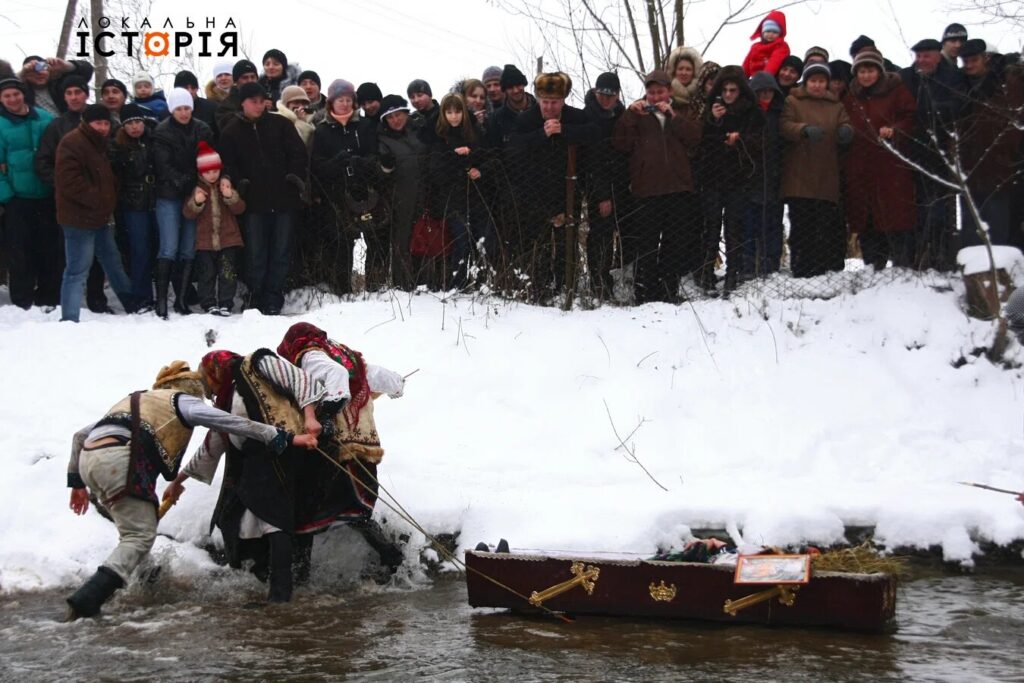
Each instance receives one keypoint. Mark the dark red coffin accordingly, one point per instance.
(677, 590)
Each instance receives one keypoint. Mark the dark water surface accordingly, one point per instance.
(950, 628)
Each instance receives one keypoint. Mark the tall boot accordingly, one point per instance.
(87, 600)
(302, 559)
(280, 567)
(182, 280)
(163, 280)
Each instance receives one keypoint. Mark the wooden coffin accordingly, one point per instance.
(675, 590)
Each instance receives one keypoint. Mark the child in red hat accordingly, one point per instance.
(771, 47)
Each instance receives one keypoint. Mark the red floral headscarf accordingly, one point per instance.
(218, 371)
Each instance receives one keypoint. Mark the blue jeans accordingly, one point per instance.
(80, 247)
(177, 235)
(140, 226)
(268, 250)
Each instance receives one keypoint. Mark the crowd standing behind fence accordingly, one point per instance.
(781, 167)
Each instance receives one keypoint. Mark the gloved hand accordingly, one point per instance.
(388, 161)
(845, 134)
(242, 187)
(813, 133)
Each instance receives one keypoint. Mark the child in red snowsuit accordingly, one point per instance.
(767, 54)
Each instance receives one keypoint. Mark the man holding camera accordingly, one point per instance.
(660, 139)
(44, 76)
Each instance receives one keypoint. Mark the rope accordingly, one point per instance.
(404, 515)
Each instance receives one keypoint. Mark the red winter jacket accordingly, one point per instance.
(767, 56)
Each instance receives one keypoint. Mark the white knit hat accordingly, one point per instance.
(142, 77)
(223, 66)
(179, 97)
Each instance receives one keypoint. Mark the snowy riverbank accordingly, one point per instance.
(788, 419)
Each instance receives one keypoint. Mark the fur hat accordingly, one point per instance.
(417, 86)
(393, 103)
(868, 56)
(242, 67)
(113, 82)
(178, 375)
(251, 90)
(95, 112)
(491, 73)
(340, 87)
(141, 77)
(207, 158)
(183, 79)
(179, 97)
(309, 75)
(223, 66)
(277, 56)
(512, 76)
(556, 85)
(293, 93)
(368, 92)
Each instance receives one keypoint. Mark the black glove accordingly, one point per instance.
(242, 187)
(298, 182)
(845, 134)
(813, 133)
(388, 160)
(281, 442)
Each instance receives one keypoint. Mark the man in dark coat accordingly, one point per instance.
(538, 154)
(425, 109)
(265, 158)
(940, 92)
(86, 197)
(45, 80)
(501, 123)
(763, 212)
(202, 108)
(243, 72)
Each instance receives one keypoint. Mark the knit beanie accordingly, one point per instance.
(954, 32)
(770, 25)
(183, 79)
(141, 77)
(419, 86)
(491, 73)
(512, 76)
(293, 93)
(309, 75)
(179, 97)
(74, 81)
(368, 92)
(207, 159)
(841, 70)
(794, 63)
(868, 56)
(113, 82)
(817, 68)
(859, 44)
(95, 112)
(242, 67)
(391, 104)
(135, 112)
(277, 56)
(340, 87)
(251, 90)
(816, 51)
(11, 82)
(223, 66)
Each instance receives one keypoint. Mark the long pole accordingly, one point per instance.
(569, 282)
(990, 488)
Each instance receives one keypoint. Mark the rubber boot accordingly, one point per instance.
(163, 280)
(182, 280)
(302, 558)
(280, 567)
(87, 600)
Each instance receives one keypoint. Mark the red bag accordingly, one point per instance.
(429, 237)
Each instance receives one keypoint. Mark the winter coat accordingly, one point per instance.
(404, 159)
(213, 93)
(216, 222)
(992, 129)
(316, 112)
(767, 56)
(425, 122)
(941, 100)
(19, 140)
(764, 187)
(452, 190)
(228, 109)
(175, 147)
(206, 111)
(342, 157)
(685, 94)
(305, 129)
(263, 152)
(156, 103)
(880, 187)
(731, 167)
(502, 123)
(134, 164)
(86, 187)
(609, 168)
(274, 86)
(46, 154)
(659, 151)
(79, 67)
(810, 170)
(540, 162)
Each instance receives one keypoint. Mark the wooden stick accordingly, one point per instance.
(989, 488)
(411, 373)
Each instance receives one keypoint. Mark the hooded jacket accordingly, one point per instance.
(767, 56)
(685, 94)
(731, 167)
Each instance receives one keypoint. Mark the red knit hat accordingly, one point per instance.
(207, 159)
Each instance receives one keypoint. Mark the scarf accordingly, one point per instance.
(303, 337)
(218, 371)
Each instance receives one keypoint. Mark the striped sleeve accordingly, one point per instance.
(290, 380)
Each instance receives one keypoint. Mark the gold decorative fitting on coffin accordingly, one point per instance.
(581, 577)
(663, 593)
(786, 594)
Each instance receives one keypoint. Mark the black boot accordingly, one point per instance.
(182, 280)
(87, 600)
(163, 280)
(302, 558)
(280, 567)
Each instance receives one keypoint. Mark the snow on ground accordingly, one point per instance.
(786, 419)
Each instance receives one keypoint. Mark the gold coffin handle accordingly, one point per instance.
(785, 593)
(585, 577)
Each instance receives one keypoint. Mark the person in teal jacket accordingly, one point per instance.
(34, 243)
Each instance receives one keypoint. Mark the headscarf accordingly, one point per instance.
(217, 368)
(303, 337)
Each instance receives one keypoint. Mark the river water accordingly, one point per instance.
(950, 628)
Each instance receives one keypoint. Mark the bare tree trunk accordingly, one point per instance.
(652, 26)
(65, 30)
(98, 60)
(636, 38)
(679, 12)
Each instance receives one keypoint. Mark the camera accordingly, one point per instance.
(720, 100)
(41, 66)
(650, 108)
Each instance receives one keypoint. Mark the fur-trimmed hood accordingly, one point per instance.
(213, 93)
(687, 93)
(735, 74)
